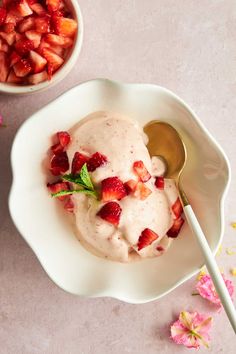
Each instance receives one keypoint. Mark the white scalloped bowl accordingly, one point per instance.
(46, 227)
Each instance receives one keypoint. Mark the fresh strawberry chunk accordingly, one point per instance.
(14, 58)
(23, 46)
(8, 37)
(38, 63)
(13, 79)
(95, 161)
(160, 182)
(147, 238)
(12, 18)
(130, 186)
(59, 164)
(57, 148)
(53, 5)
(64, 42)
(141, 171)
(112, 188)
(175, 228)
(58, 187)
(38, 9)
(78, 161)
(3, 15)
(37, 78)
(54, 61)
(8, 27)
(57, 49)
(19, 36)
(22, 68)
(21, 8)
(177, 208)
(142, 191)
(4, 47)
(64, 138)
(42, 24)
(26, 24)
(65, 26)
(111, 213)
(3, 67)
(69, 205)
(34, 36)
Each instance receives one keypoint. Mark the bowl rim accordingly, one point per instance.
(6, 88)
(107, 292)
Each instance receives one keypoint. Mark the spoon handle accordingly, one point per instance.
(211, 266)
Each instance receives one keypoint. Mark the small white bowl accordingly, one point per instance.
(46, 227)
(66, 67)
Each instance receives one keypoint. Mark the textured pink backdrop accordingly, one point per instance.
(187, 46)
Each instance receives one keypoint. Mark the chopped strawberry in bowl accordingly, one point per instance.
(40, 41)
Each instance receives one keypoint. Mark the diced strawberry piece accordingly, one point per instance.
(142, 191)
(4, 47)
(112, 188)
(38, 63)
(42, 24)
(175, 228)
(23, 46)
(177, 208)
(130, 186)
(19, 36)
(8, 37)
(12, 18)
(31, 2)
(21, 8)
(59, 50)
(65, 26)
(57, 148)
(160, 182)
(53, 5)
(78, 161)
(14, 58)
(54, 61)
(26, 24)
(37, 78)
(64, 138)
(141, 171)
(13, 79)
(3, 67)
(65, 42)
(3, 15)
(38, 9)
(59, 164)
(111, 213)
(8, 27)
(147, 238)
(22, 68)
(58, 187)
(69, 205)
(34, 36)
(95, 161)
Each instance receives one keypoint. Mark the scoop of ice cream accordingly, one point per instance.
(122, 141)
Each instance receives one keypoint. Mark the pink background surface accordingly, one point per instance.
(189, 47)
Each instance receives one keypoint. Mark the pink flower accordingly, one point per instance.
(206, 289)
(191, 329)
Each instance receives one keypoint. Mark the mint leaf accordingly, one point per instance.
(85, 177)
(74, 191)
(74, 179)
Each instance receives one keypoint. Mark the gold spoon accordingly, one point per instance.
(165, 142)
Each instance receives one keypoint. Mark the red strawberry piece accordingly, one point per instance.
(12, 18)
(78, 161)
(4, 47)
(38, 9)
(111, 213)
(177, 208)
(175, 228)
(147, 238)
(69, 205)
(3, 67)
(141, 171)
(22, 68)
(95, 161)
(130, 186)
(26, 24)
(59, 50)
(23, 46)
(142, 191)
(59, 164)
(64, 42)
(37, 78)
(54, 61)
(21, 8)
(38, 63)
(19, 36)
(65, 26)
(8, 37)
(3, 15)
(112, 188)
(64, 138)
(13, 79)
(8, 27)
(57, 148)
(58, 187)
(53, 5)
(34, 36)
(42, 24)
(14, 58)
(160, 182)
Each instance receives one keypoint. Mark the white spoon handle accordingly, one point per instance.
(211, 266)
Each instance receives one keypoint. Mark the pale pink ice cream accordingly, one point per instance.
(123, 142)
